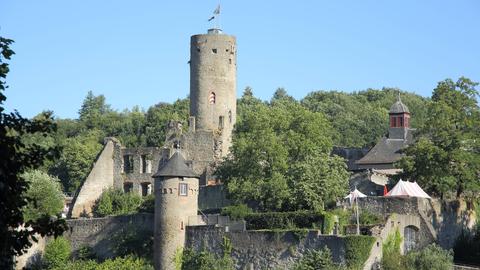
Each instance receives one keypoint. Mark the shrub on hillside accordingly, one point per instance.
(116, 202)
(317, 259)
(433, 257)
(57, 252)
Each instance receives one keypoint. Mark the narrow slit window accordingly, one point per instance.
(183, 189)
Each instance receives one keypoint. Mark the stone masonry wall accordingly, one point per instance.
(99, 178)
(99, 232)
(262, 249)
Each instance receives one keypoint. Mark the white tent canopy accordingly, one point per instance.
(408, 189)
(355, 194)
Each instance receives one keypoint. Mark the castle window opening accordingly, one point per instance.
(170, 190)
(146, 189)
(127, 164)
(212, 98)
(220, 122)
(164, 191)
(183, 189)
(146, 164)
(214, 51)
(400, 121)
(230, 116)
(181, 225)
(230, 60)
(127, 187)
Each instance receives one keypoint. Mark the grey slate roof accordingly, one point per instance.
(175, 167)
(399, 107)
(385, 151)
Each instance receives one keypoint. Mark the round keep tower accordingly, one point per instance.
(176, 199)
(213, 83)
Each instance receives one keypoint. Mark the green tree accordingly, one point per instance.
(44, 194)
(275, 147)
(57, 252)
(446, 156)
(93, 109)
(18, 157)
(157, 118)
(76, 159)
(116, 202)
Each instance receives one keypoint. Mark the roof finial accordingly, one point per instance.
(399, 98)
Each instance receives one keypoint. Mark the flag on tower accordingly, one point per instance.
(215, 12)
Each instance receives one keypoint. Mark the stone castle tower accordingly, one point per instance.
(213, 73)
(176, 199)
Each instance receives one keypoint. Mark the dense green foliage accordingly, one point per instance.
(284, 220)
(132, 240)
(432, 257)
(357, 250)
(237, 212)
(391, 256)
(44, 194)
(19, 153)
(204, 260)
(57, 252)
(360, 119)
(446, 156)
(126, 263)
(467, 247)
(148, 204)
(114, 202)
(280, 157)
(317, 260)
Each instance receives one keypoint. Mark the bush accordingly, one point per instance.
(237, 212)
(432, 257)
(126, 263)
(116, 202)
(148, 204)
(86, 253)
(57, 252)
(284, 220)
(317, 259)
(391, 258)
(368, 218)
(205, 260)
(132, 240)
(357, 250)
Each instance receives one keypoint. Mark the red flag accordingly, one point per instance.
(385, 191)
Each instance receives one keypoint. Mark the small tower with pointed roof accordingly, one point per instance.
(399, 120)
(176, 199)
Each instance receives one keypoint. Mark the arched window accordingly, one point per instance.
(212, 98)
(410, 238)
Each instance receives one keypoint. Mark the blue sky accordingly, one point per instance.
(136, 52)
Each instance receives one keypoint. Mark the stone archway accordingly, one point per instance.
(410, 234)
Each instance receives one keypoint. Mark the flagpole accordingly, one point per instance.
(358, 221)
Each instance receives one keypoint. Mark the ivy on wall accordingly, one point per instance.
(357, 250)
